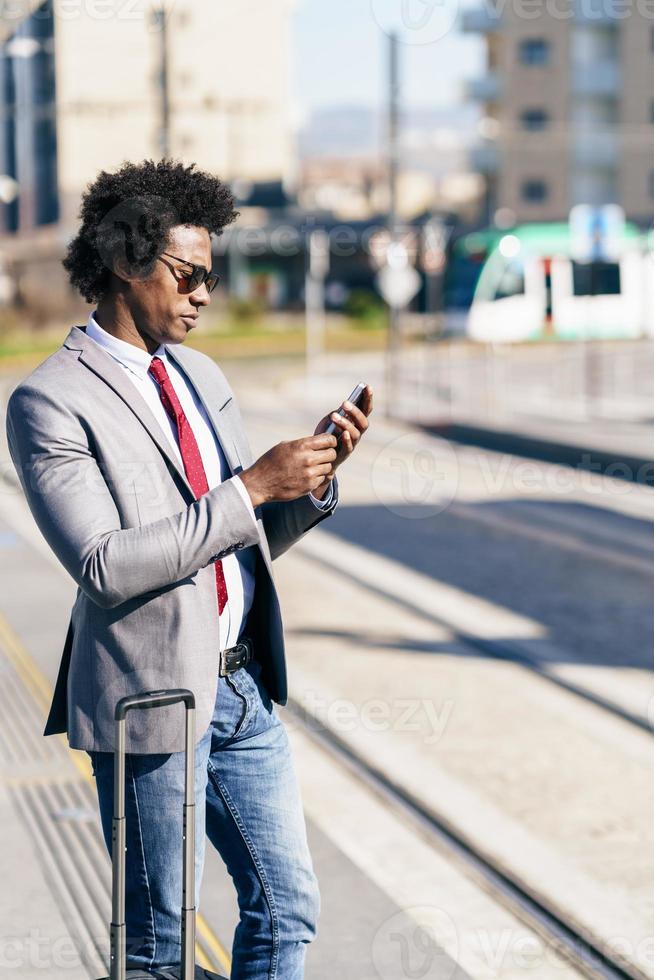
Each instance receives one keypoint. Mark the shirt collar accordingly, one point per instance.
(135, 359)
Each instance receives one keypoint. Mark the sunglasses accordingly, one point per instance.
(191, 280)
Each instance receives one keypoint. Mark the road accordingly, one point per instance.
(471, 632)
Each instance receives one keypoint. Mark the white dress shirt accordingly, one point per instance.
(238, 567)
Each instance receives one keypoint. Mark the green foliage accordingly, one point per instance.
(245, 311)
(366, 308)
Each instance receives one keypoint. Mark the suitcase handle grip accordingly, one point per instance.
(154, 699)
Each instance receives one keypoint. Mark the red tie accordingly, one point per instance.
(193, 466)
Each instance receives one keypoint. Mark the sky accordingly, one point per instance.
(340, 52)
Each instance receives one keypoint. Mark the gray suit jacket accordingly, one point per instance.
(116, 508)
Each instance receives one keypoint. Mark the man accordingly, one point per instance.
(135, 464)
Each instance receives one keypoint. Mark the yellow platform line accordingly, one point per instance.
(39, 686)
(222, 957)
(201, 957)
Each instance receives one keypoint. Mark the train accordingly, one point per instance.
(527, 285)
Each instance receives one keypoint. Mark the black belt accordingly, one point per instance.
(235, 657)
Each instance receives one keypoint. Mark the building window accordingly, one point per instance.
(651, 112)
(534, 191)
(651, 38)
(534, 119)
(651, 184)
(534, 51)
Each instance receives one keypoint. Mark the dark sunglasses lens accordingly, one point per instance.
(200, 276)
(195, 279)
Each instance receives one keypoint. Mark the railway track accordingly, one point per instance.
(585, 952)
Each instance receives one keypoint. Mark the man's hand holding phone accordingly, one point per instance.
(291, 469)
(347, 423)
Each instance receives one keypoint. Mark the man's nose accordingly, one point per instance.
(200, 296)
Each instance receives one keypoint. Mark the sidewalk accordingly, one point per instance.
(39, 802)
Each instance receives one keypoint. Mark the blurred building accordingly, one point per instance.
(568, 102)
(357, 189)
(344, 167)
(87, 85)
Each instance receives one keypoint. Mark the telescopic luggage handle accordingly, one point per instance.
(153, 699)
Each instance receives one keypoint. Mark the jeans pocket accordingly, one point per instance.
(241, 691)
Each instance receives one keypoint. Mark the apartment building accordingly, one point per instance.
(568, 99)
(85, 84)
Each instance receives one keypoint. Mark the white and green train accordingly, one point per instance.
(530, 287)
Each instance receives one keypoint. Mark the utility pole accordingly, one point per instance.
(392, 355)
(161, 20)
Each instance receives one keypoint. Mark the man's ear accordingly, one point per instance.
(121, 269)
(124, 271)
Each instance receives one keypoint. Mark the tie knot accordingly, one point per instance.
(158, 370)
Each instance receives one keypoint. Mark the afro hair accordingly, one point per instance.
(127, 216)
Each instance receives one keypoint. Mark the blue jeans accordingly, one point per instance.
(248, 803)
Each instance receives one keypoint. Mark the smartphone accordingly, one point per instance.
(355, 398)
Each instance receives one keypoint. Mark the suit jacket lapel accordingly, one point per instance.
(102, 364)
(214, 395)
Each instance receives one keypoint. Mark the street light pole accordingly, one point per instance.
(161, 20)
(393, 169)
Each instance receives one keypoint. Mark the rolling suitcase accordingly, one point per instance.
(118, 952)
